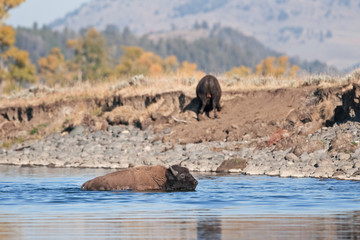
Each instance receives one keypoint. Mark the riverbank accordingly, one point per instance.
(307, 131)
(128, 146)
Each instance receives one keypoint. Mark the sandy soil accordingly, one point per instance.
(250, 114)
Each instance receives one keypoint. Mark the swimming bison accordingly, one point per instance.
(144, 178)
(208, 92)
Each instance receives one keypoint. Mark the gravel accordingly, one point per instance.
(127, 146)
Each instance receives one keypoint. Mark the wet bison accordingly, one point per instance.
(208, 93)
(144, 178)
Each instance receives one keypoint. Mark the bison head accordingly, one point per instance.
(179, 179)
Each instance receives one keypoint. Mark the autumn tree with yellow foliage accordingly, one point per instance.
(5, 6)
(90, 56)
(266, 67)
(53, 69)
(241, 71)
(16, 70)
(278, 68)
(137, 61)
(187, 68)
(170, 64)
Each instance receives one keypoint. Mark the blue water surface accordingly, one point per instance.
(47, 203)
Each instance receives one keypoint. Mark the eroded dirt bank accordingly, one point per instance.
(282, 117)
(298, 132)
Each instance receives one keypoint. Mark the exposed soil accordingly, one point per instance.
(250, 114)
(282, 117)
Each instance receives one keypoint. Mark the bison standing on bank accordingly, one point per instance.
(144, 178)
(208, 93)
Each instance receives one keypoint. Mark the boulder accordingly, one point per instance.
(232, 165)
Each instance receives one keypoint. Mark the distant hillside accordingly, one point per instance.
(327, 30)
(216, 50)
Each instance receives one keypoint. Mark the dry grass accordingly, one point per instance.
(161, 84)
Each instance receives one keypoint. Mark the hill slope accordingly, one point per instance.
(326, 30)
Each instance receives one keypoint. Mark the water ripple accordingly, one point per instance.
(221, 205)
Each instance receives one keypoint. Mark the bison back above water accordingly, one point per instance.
(208, 92)
(144, 178)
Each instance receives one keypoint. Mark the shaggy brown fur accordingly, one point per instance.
(208, 92)
(144, 178)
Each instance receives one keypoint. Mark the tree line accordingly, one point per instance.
(65, 57)
(223, 49)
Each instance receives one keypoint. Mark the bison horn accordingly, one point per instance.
(174, 172)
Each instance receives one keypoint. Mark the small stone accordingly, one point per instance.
(84, 155)
(77, 131)
(350, 172)
(234, 126)
(253, 170)
(356, 173)
(167, 131)
(339, 174)
(292, 157)
(357, 163)
(44, 155)
(55, 136)
(305, 157)
(126, 132)
(246, 137)
(290, 172)
(320, 154)
(273, 172)
(344, 156)
(308, 170)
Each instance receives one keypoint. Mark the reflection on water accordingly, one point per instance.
(43, 203)
(98, 226)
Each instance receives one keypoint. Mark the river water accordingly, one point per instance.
(47, 203)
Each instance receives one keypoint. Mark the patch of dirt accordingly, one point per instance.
(281, 118)
(256, 114)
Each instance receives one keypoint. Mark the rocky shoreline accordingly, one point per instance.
(127, 146)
